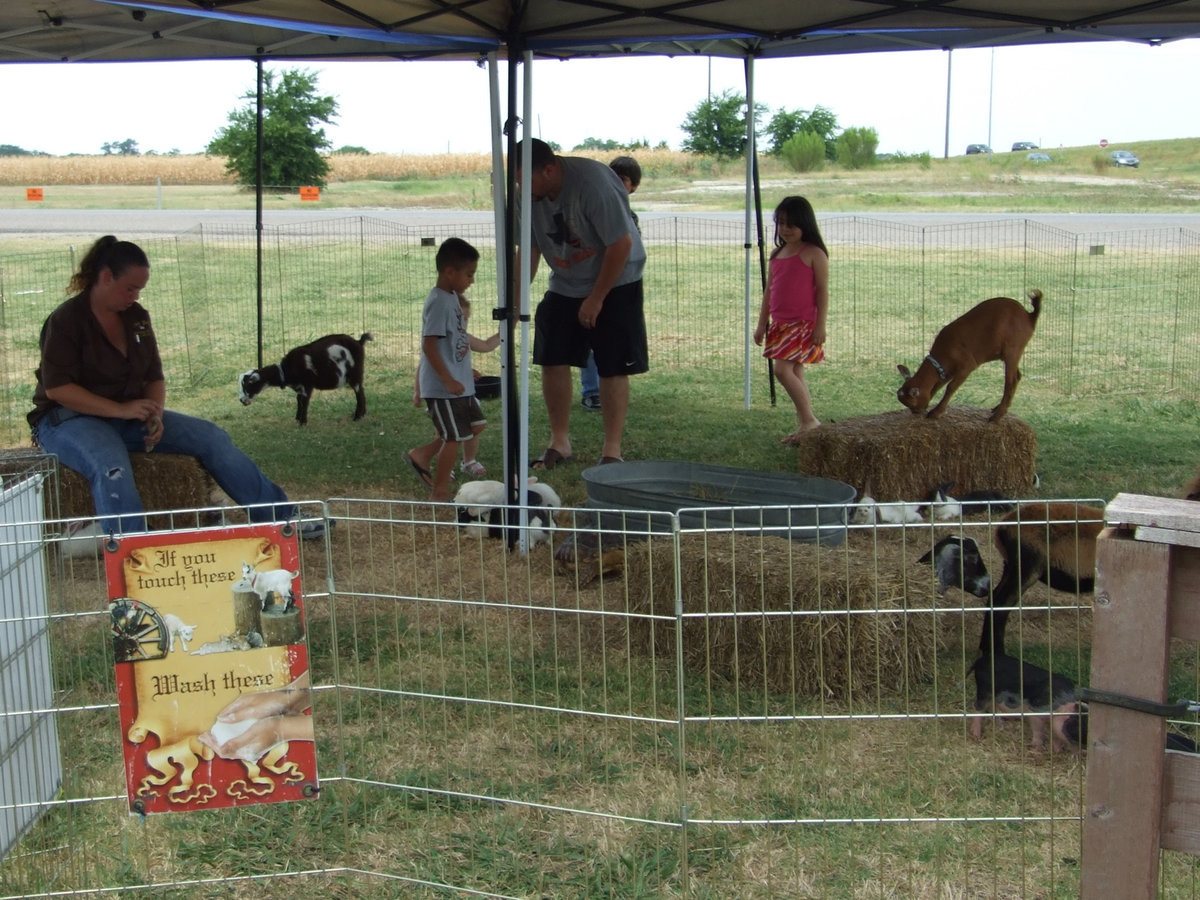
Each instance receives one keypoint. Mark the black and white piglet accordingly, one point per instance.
(1007, 685)
(483, 507)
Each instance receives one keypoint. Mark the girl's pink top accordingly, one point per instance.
(793, 290)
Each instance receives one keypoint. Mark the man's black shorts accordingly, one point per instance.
(618, 340)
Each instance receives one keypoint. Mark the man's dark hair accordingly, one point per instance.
(542, 154)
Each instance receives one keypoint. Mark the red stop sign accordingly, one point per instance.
(1103, 142)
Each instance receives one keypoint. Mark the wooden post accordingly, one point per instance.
(1140, 798)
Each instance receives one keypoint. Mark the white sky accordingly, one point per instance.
(1066, 95)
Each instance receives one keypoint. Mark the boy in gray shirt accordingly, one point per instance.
(446, 380)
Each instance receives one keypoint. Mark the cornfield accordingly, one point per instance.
(202, 169)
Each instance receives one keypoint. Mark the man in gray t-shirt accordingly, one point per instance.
(584, 229)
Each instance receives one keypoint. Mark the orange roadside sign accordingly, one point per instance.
(33, 194)
(310, 193)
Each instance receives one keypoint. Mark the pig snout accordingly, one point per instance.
(1069, 726)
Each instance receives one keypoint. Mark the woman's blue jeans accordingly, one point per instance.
(98, 449)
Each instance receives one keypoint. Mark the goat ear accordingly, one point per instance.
(926, 558)
(904, 371)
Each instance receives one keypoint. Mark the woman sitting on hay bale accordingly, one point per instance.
(101, 393)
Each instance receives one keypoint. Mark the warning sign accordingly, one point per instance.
(310, 193)
(212, 672)
(33, 195)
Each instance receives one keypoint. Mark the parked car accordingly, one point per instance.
(1123, 158)
(1038, 157)
(978, 148)
(1024, 145)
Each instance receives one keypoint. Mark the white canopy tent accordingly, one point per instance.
(518, 31)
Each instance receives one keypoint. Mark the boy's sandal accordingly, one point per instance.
(422, 472)
(474, 468)
(550, 459)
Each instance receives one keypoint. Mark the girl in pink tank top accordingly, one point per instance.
(794, 305)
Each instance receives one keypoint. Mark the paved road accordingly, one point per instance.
(154, 222)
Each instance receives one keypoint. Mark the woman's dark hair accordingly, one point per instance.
(106, 253)
(798, 212)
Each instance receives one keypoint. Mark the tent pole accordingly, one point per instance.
(512, 301)
(946, 145)
(524, 267)
(758, 235)
(503, 241)
(753, 213)
(258, 205)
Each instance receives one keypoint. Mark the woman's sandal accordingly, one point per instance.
(474, 468)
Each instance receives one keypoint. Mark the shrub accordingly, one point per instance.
(922, 159)
(804, 151)
(856, 147)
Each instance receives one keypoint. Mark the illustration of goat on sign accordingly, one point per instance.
(273, 582)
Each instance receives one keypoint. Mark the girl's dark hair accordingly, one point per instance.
(106, 253)
(798, 212)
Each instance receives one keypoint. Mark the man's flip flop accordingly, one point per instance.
(421, 471)
(550, 459)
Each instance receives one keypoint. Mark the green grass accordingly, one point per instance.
(411, 779)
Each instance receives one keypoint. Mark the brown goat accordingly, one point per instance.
(998, 328)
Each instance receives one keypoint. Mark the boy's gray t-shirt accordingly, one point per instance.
(443, 318)
(590, 213)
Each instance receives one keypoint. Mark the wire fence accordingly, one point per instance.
(1122, 309)
(671, 710)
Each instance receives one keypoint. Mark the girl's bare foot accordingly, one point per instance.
(798, 435)
(793, 437)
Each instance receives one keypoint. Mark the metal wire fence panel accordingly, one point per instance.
(1120, 309)
(649, 705)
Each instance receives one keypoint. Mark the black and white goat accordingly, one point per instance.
(482, 507)
(330, 362)
(957, 563)
(1054, 543)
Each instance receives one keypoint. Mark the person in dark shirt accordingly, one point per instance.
(101, 394)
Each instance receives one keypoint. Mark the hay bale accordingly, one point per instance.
(899, 456)
(165, 481)
(811, 620)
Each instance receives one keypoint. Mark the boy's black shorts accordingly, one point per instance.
(455, 418)
(618, 340)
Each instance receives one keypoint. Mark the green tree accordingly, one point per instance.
(856, 147)
(292, 136)
(127, 147)
(804, 151)
(787, 123)
(784, 125)
(592, 143)
(717, 126)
